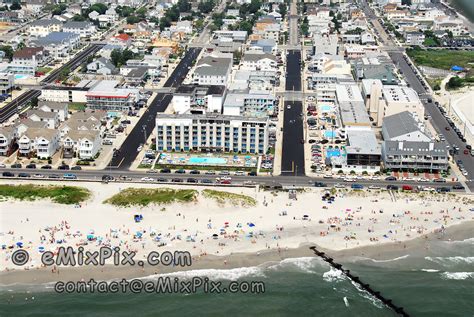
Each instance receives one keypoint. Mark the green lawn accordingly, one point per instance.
(205, 168)
(146, 196)
(443, 59)
(77, 106)
(44, 69)
(67, 195)
(223, 197)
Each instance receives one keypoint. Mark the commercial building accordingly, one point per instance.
(198, 99)
(252, 103)
(26, 60)
(211, 133)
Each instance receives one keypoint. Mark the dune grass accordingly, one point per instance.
(235, 199)
(146, 196)
(66, 195)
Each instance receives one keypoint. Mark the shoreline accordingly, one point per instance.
(385, 251)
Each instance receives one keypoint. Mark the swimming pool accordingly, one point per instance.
(333, 152)
(325, 108)
(207, 160)
(330, 134)
(20, 76)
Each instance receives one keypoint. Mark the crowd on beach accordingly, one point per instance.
(275, 223)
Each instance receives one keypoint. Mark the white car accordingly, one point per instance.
(139, 148)
(374, 187)
(38, 175)
(2, 166)
(147, 179)
(339, 185)
(239, 173)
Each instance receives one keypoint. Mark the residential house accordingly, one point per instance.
(7, 140)
(102, 66)
(58, 44)
(51, 118)
(84, 144)
(256, 61)
(83, 29)
(43, 27)
(414, 38)
(42, 143)
(61, 108)
(6, 82)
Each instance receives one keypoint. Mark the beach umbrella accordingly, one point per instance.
(19, 244)
(90, 237)
(251, 225)
(40, 249)
(305, 216)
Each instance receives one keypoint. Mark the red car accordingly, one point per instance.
(226, 182)
(407, 188)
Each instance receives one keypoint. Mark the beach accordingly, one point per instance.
(221, 235)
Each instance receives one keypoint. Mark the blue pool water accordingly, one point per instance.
(333, 152)
(207, 160)
(325, 108)
(329, 134)
(20, 76)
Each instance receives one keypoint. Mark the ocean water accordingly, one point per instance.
(465, 7)
(440, 284)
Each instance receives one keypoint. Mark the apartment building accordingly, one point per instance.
(235, 36)
(58, 44)
(43, 27)
(26, 60)
(83, 29)
(6, 83)
(105, 95)
(60, 108)
(408, 145)
(212, 133)
(212, 70)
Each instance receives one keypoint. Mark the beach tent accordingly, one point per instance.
(457, 68)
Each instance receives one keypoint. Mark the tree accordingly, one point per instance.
(199, 24)
(115, 57)
(206, 6)
(8, 50)
(64, 74)
(142, 12)
(454, 83)
(184, 6)
(165, 23)
(78, 18)
(132, 19)
(237, 57)
(283, 9)
(246, 26)
(15, 5)
(98, 7)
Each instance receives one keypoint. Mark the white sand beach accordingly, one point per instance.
(354, 219)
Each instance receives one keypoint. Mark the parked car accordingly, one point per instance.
(392, 187)
(16, 165)
(46, 167)
(180, 171)
(31, 165)
(320, 184)
(8, 174)
(76, 168)
(357, 186)
(64, 167)
(165, 171)
(407, 188)
(26, 175)
(69, 176)
(391, 178)
(195, 172)
(252, 173)
(192, 180)
(177, 180)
